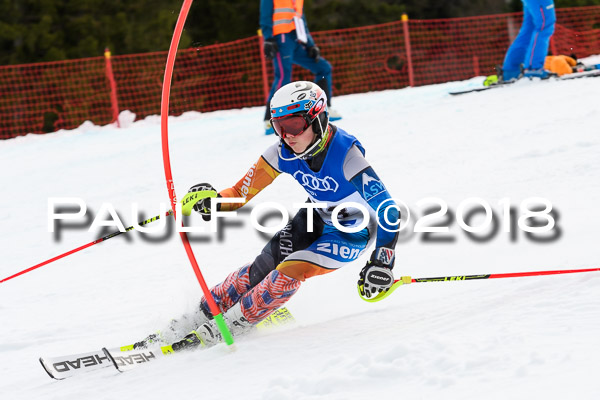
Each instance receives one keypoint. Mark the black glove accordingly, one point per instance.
(313, 52)
(377, 275)
(270, 48)
(202, 203)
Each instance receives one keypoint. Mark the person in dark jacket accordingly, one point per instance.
(288, 42)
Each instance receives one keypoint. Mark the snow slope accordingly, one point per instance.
(504, 338)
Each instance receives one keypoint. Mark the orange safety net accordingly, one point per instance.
(45, 97)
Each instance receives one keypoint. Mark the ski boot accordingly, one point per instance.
(174, 331)
(334, 115)
(238, 325)
(499, 78)
(191, 341)
(538, 73)
(496, 79)
(152, 339)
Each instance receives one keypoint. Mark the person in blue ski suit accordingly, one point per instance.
(285, 46)
(342, 187)
(531, 44)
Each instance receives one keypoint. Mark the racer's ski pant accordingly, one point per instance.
(290, 257)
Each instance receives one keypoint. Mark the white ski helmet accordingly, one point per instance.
(304, 98)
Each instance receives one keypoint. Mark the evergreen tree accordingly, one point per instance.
(48, 30)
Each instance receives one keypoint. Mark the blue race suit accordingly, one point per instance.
(531, 44)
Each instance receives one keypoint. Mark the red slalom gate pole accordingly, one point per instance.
(164, 119)
(405, 280)
(85, 246)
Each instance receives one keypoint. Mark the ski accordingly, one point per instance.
(62, 367)
(132, 358)
(583, 74)
(66, 366)
(125, 361)
(482, 88)
(586, 73)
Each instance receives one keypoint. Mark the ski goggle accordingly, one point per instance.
(291, 125)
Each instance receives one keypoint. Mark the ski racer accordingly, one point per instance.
(330, 165)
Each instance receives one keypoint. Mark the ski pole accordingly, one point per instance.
(405, 280)
(85, 246)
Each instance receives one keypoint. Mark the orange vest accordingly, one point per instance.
(283, 15)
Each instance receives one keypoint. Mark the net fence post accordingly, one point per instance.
(411, 75)
(113, 87)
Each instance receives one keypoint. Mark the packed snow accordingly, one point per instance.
(518, 338)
